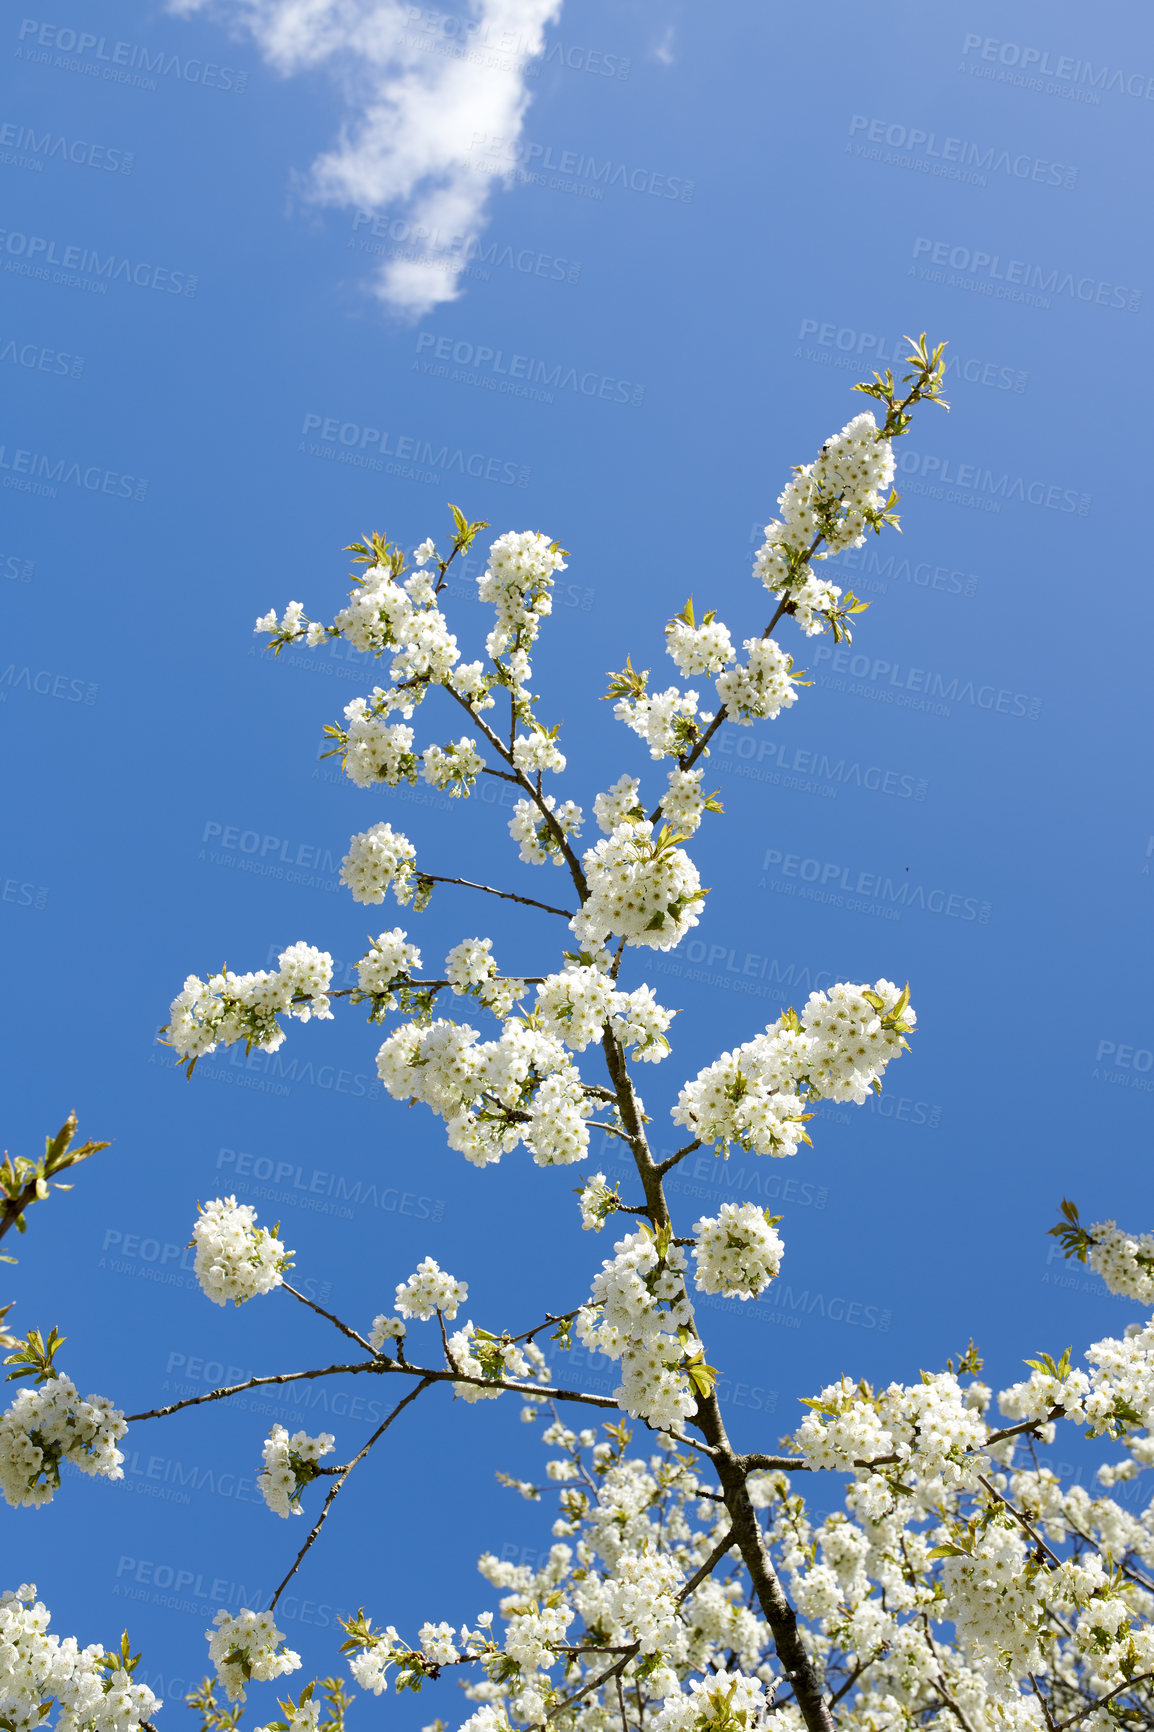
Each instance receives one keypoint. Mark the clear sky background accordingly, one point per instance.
(725, 215)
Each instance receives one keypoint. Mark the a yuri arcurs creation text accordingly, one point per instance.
(689, 1587)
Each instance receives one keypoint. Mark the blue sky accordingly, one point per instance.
(780, 195)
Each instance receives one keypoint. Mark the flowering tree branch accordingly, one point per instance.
(1040, 1595)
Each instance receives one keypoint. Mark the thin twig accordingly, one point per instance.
(849, 1683)
(382, 1365)
(621, 1704)
(724, 1544)
(1143, 1678)
(334, 1320)
(1042, 1702)
(258, 1383)
(505, 895)
(344, 1474)
(672, 1160)
(1019, 1518)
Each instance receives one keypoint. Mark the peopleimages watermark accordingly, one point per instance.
(473, 254)
(270, 856)
(948, 157)
(268, 1073)
(16, 569)
(415, 459)
(528, 160)
(864, 892)
(1034, 64)
(1126, 1066)
(447, 33)
(38, 256)
(179, 1588)
(35, 472)
(844, 346)
(711, 1177)
(873, 572)
(38, 358)
(1015, 279)
(517, 375)
(118, 62)
(289, 1182)
(973, 482)
(24, 147)
(920, 688)
(785, 1308)
(21, 894)
(812, 766)
(44, 683)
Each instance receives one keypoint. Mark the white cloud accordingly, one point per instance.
(419, 100)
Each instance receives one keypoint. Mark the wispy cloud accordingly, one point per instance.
(421, 89)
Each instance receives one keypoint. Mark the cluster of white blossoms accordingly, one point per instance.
(505, 1359)
(236, 1259)
(49, 1425)
(642, 887)
(292, 625)
(720, 1702)
(428, 1290)
(376, 750)
(738, 1252)
(518, 582)
(538, 751)
(620, 805)
(639, 1601)
(1115, 1398)
(388, 963)
(384, 615)
(384, 1329)
(471, 683)
(438, 1643)
(302, 1716)
(639, 1313)
(576, 1005)
(639, 1023)
(837, 1049)
(598, 1201)
(667, 721)
(290, 1463)
(247, 1647)
(454, 767)
(915, 1443)
(626, 1578)
(470, 964)
(1125, 1261)
(376, 859)
(534, 834)
(230, 1007)
(813, 603)
(683, 802)
(493, 1095)
(471, 970)
(764, 687)
(91, 1692)
(698, 649)
(374, 1652)
(831, 500)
